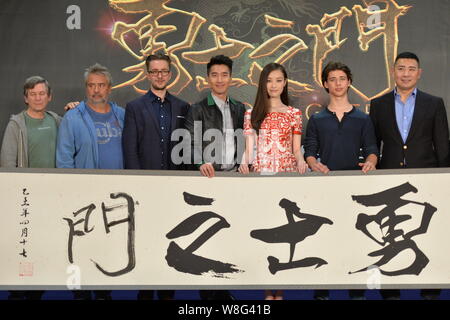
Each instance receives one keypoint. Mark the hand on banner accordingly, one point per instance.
(207, 170)
(302, 167)
(316, 165)
(244, 168)
(370, 164)
(367, 166)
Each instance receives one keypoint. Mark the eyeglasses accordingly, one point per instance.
(164, 73)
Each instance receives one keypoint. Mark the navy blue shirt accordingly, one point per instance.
(337, 143)
(163, 112)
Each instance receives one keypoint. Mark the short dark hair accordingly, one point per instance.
(407, 55)
(220, 59)
(31, 82)
(333, 66)
(157, 56)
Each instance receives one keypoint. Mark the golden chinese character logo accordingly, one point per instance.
(254, 33)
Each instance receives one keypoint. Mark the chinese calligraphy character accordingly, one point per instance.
(184, 260)
(394, 240)
(108, 225)
(25, 212)
(23, 253)
(25, 202)
(292, 233)
(24, 233)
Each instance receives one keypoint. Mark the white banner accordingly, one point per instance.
(103, 229)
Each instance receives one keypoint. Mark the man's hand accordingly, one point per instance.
(370, 164)
(207, 170)
(71, 105)
(317, 166)
(367, 166)
(243, 168)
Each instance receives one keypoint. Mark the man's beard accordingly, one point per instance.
(98, 101)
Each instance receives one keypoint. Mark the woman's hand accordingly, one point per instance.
(302, 167)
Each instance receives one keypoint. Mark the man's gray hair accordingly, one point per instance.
(31, 82)
(98, 69)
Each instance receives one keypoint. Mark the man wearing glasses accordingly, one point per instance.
(149, 123)
(151, 119)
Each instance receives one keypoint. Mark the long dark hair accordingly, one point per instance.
(261, 106)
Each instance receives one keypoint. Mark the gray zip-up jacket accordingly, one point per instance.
(14, 151)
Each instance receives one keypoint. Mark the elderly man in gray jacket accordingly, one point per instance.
(30, 136)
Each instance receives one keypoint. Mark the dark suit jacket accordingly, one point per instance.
(141, 135)
(427, 144)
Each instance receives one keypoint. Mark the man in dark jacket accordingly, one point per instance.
(413, 129)
(151, 119)
(214, 123)
(411, 124)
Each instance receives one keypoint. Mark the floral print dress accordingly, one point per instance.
(274, 149)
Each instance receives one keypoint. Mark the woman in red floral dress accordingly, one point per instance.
(275, 128)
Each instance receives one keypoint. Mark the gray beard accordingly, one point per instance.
(103, 101)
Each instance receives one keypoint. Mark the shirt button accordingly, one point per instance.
(162, 128)
(162, 140)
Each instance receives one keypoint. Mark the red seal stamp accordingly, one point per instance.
(25, 269)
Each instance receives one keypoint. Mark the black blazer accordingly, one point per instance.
(427, 144)
(141, 135)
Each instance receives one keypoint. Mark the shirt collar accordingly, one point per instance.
(211, 101)
(413, 94)
(331, 112)
(218, 101)
(153, 97)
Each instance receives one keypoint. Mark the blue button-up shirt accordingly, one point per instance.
(162, 111)
(404, 112)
